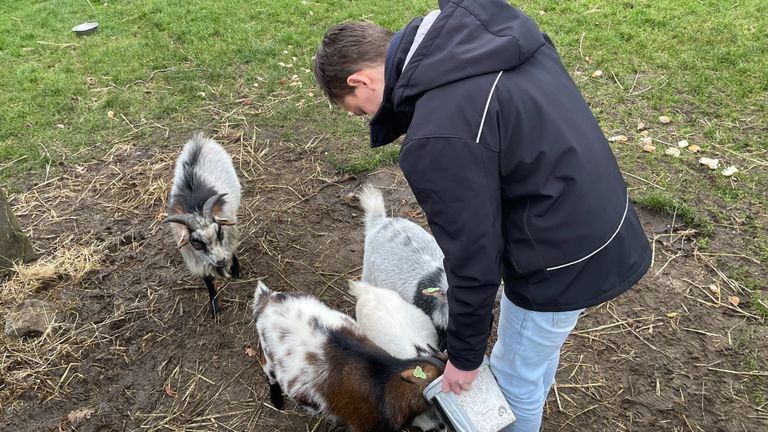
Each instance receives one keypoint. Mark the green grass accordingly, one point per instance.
(57, 89)
(701, 61)
(660, 202)
(760, 303)
(367, 161)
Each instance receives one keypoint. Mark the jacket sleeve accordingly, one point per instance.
(456, 182)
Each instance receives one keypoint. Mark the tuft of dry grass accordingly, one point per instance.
(47, 364)
(50, 364)
(71, 261)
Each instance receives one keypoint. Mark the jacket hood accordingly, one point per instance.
(467, 38)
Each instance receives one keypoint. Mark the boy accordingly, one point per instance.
(513, 172)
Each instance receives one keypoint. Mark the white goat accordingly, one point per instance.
(202, 209)
(401, 256)
(321, 359)
(399, 327)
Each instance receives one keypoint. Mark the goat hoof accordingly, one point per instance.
(215, 309)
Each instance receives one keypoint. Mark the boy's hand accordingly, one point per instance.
(457, 380)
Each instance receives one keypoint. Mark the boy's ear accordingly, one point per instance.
(359, 78)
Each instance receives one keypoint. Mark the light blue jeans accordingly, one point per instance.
(525, 358)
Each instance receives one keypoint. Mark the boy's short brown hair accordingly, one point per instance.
(346, 49)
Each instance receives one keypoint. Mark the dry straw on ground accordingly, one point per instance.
(71, 261)
(46, 364)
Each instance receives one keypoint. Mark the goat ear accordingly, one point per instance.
(184, 240)
(223, 221)
(182, 233)
(409, 375)
(435, 292)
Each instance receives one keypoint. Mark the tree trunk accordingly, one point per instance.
(14, 245)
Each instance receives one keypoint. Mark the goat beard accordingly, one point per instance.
(223, 272)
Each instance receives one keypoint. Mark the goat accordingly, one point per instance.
(321, 359)
(202, 209)
(401, 329)
(403, 257)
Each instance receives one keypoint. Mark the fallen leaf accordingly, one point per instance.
(694, 148)
(731, 170)
(168, 390)
(672, 151)
(597, 74)
(541, 12)
(247, 101)
(682, 143)
(618, 138)
(645, 133)
(79, 417)
(664, 119)
(714, 288)
(734, 300)
(111, 114)
(710, 163)
(250, 351)
(649, 148)
(588, 59)
(60, 126)
(646, 141)
(640, 126)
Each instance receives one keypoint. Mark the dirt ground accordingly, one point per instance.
(134, 347)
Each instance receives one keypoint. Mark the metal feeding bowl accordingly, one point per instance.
(85, 28)
(481, 409)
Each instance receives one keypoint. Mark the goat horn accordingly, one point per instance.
(184, 219)
(208, 207)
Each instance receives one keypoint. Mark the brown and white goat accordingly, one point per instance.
(320, 358)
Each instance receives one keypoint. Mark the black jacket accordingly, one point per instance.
(511, 168)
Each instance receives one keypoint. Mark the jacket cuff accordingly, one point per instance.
(464, 365)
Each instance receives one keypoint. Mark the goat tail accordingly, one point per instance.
(373, 203)
(259, 296)
(357, 288)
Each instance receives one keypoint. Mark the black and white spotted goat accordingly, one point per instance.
(202, 212)
(403, 257)
(321, 359)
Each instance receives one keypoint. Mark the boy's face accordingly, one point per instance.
(368, 93)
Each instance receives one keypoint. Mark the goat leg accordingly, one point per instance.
(276, 395)
(442, 339)
(213, 294)
(234, 270)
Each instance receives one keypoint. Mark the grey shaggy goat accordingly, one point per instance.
(202, 209)
(401, 256)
